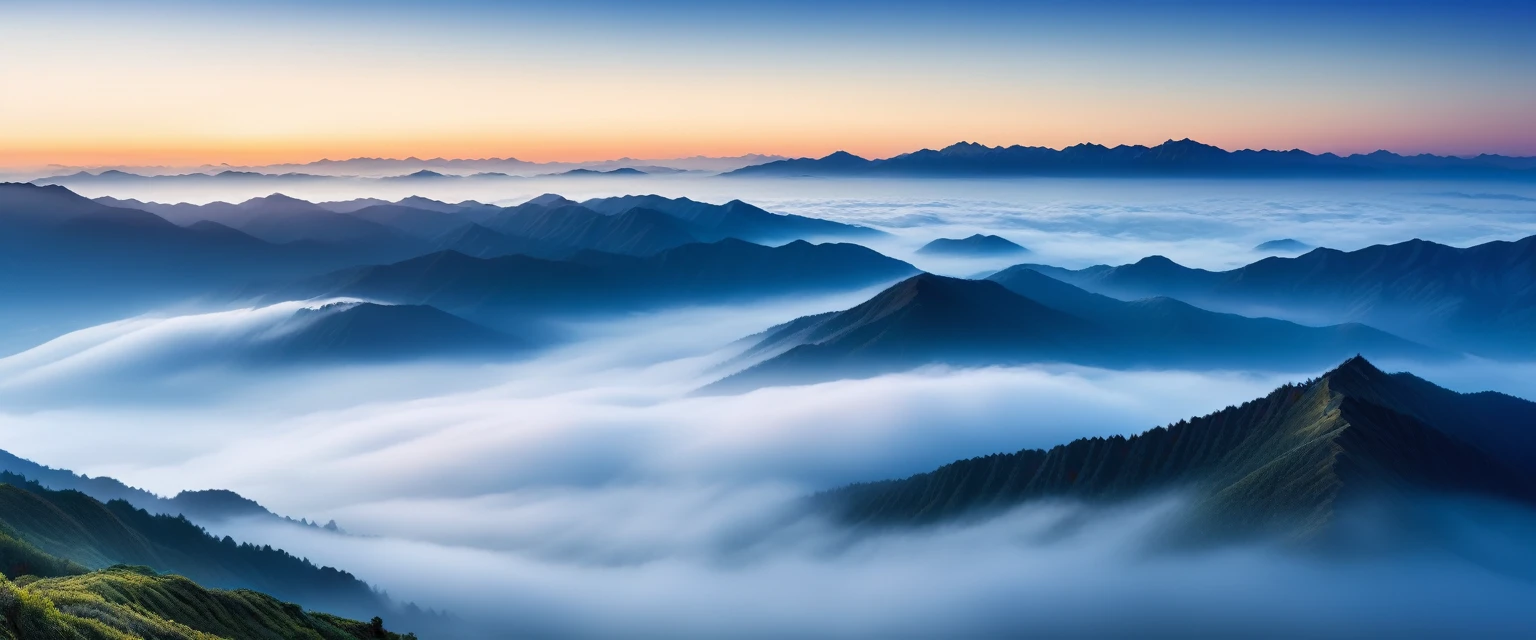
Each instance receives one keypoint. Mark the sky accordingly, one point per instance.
(185, 83)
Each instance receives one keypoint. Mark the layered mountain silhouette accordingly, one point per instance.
(373, 168)
(977, 245)
(1021, 316)
(510, 288)
(579, 173)
(56, 245)
(1290, 463)
(734, 219)
(378, 332)
(78, 262)
(204, 507)
(1171, 158)
(1480, 298)
(363, 331)
(60, 533)
(546, 226)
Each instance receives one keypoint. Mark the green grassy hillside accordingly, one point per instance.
(135, 602)
(61, 536)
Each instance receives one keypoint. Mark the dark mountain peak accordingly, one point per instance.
(45, 205)
(1355, 366)
(280, 204)
(975, 245)
(551, 200)
(1158, 262)
(419, 202)
(965, 148)
(218, 504)
(370, 331)
(842, 157)
(1186, 143)
(276, 198)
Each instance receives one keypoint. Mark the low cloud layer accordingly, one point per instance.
(586, 492)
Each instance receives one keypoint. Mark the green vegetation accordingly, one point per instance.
(50, 542)
(135, 602)
(84, 533)
(1281, 464)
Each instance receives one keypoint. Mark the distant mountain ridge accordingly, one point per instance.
(976, 245)
(366, 332)
(86, 533)
(207, 506)
(1286, 464)
(546, 226)
(1171, 158)
(517, 288)
(1020, 316)
(1480, 298)
(387, 167)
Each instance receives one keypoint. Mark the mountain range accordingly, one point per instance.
(78, 262)
(60, 534)
(1021, 316)
(505, 291)
(210, 506)
(1293, 463)
(1480, 299)
(977, 245)
(1172, 158)
(549, 225)
(381, 167)
(365, 331)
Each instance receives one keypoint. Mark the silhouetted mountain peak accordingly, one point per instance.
(551, 200)
(1289, 245)
(842, 157)
(275, 199)
(975, 245)
(964, 148)
(1157, 262)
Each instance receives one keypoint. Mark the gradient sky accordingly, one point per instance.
(257, 82)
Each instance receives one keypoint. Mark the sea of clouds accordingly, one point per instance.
(586, 491)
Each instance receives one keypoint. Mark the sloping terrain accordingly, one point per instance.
(82, 532)
(515, 286)
(124, 602)
(1020, 316)
(976, 245)
(1286, 463)
(1480, 298)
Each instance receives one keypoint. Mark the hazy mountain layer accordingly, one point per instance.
(366, 331)
(976, 245)
(205, 506)
(1481, 298)
(1021, 316)
(493, 290)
